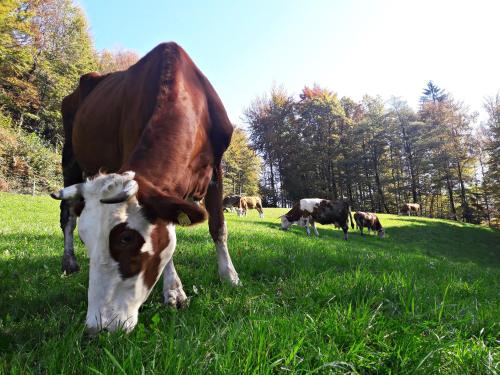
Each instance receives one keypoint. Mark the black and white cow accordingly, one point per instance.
(311, 210)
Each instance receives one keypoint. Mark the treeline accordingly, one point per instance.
(45, 46)
(379, 155)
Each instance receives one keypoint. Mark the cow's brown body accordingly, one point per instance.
(408, 208)
(160, 118)
(369, 221)
(247, 203)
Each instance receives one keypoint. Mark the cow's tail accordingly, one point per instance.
(350, 217)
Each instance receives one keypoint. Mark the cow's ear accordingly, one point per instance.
(171, 209)
(157, 205)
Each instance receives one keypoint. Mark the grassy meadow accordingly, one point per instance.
(424, 300)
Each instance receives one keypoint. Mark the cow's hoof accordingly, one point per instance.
(175, 298)
(69, 265)
(230, 277)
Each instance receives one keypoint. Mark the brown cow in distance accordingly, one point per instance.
(409, 208)
(370, 221)
(158, 130)
(247, 203)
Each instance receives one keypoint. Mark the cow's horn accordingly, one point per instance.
(69, 192)
(129, 190)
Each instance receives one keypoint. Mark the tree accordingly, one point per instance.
(115, 60)
(63, 51)
(491, 144)
(241, 166)
(273, 133)
(18, 95)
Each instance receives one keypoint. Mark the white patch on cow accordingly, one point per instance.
(308, 204)
(113, 302)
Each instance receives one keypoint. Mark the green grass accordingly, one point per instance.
(423, 300)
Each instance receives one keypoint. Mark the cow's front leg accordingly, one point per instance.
(345, 228)
(218, 228)
(68, 224)
(307, 228)
(173, 292)
(224, 262)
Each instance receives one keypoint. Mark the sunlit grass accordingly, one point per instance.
(425, 299)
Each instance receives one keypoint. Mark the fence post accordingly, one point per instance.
(34, 186)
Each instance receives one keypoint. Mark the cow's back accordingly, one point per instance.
(113, 116)
(329, 212)
(161, 114)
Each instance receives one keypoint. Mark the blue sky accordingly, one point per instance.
(376, 47)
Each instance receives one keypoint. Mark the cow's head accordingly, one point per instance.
(381, 233)
(285, 222)
(128, 230)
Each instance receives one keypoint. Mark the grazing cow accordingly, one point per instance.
(370, 221)
(249, 203)
(161, 129)
(409, 208)
(311, 210)
(230, 202)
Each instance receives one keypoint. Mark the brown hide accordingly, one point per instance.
(410, 207)
(367, 220)
(160, 118)
(250, 202)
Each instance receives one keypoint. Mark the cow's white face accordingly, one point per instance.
(285, 223)
(127, 251)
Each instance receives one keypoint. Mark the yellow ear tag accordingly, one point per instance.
(183, 219)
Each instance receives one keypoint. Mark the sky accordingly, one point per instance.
(375, 47)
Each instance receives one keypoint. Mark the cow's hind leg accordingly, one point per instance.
(173, 291)
(218, 228)
(261, 211)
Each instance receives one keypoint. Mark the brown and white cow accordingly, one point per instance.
(370, 221)
(247, 203)
(409, 208)
(159, 129)
(311, 210)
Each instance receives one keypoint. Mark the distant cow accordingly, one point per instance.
(311, 210)
(370, 221)
(231, 202)
(248, 203)
(408, 208)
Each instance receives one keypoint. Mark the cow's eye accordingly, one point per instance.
(126, 238)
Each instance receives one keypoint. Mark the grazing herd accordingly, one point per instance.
(143, 147)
